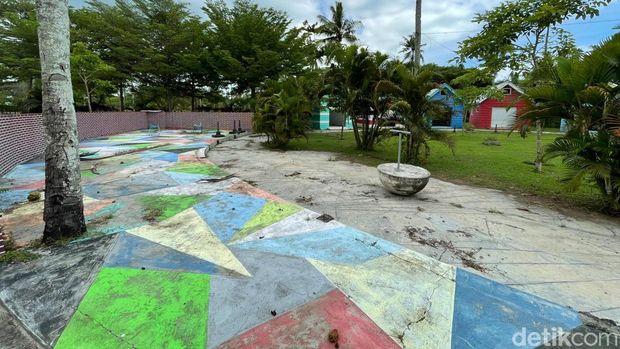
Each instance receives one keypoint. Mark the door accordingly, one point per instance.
(502, 117)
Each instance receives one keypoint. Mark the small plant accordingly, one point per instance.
(491, 141)
(17, 256)
(34, 195)
(467, 127)
(12, 254)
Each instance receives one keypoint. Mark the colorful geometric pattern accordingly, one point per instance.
(174, 260)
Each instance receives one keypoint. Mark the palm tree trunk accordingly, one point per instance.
(418, 32)
(64, 209)
(539, 150)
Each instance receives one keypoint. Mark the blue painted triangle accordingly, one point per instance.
(135, 252)
(488, 314)
(338, 245)
(226, 213)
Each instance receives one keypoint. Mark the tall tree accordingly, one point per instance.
(116, 34)
(408, 48)
(352, 80)
(169, 32)
(253, 44)
(90, 71)
(520, 43)
(19, 52)
(408, 91)
(418, 34)
(64, 208)
(337, 29)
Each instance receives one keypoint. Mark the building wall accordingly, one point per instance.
(482, 116)
(456, 120)
(22, 139)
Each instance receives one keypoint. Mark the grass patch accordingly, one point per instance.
(507, 167)
(17, 256)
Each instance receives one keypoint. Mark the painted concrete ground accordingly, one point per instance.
(181, 255)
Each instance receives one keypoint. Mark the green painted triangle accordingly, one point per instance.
(161, 207)
(197, 168)
(271, 213)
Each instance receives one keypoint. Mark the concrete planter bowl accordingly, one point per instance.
(407, 180)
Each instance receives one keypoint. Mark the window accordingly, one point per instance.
(507, 91)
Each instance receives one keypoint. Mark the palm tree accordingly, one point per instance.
(409, 90)
(408, 47)
(586, 92)
(337, 29)
(283, 113)
(352, 82)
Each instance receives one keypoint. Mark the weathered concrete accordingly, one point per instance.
(309, 326)
(45, 292)
(403, 179)
(13, 335)
(568, 258)
(278, 283)
(340, 245)
(188, 233)
(410, 300)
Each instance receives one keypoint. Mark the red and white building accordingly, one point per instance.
(492, 113)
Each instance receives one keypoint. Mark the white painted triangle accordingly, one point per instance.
(298, 223)
(187, 232)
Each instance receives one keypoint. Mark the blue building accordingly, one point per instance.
(323, 118)
(447, 94)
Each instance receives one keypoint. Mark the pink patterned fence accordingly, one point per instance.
(21, 135)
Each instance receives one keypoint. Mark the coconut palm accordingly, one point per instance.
(338, 28)
(408, 47)
(409, 91)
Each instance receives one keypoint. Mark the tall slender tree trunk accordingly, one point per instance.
(539, 149)
(64, 209)
(88, 97)
(418, 33)
(121, 95)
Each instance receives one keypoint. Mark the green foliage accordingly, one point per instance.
(408, 45)
(89, 72)
(352, 87)
(337, 28)
(19, 55)
(252, 44)
(17, 256)
(410, 91)
(283, 112)
(530, 33)
(586, 92)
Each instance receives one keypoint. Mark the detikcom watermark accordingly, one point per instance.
(557, 337)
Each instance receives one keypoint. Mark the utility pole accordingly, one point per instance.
(418, 33)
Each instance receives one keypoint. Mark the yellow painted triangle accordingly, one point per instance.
(187, 232)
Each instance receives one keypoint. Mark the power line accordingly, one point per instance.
(572, 23)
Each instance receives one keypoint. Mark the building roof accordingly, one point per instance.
(501, 85)
(444, 87)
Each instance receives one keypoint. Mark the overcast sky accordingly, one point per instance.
(444, 22)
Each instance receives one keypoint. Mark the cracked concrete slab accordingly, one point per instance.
(45, 292)
(503, 231)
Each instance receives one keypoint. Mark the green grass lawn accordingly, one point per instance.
(502, 167)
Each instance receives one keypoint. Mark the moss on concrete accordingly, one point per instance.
(197, 168)
(161, 207)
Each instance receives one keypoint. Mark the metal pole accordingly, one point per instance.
(400, 137)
